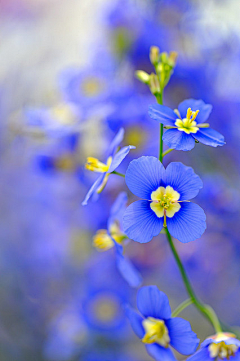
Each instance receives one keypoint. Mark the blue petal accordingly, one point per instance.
(128, 271)
(210, 137)
(183, 180)
(144, 176)
(93, 189)
(200, 355)
(183, 339)
(140, 223)
(178, 140)
(162, 114)
(160, 353)
(119, 156)
(118, 209)
(204, 109)
(135, 320)
(153, 303)
(116, 141)
(188, 223)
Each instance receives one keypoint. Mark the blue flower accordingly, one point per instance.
(114, 237)
(114, 159)
(186, 125)
(157, 329)
(166, 195)
(222, 346)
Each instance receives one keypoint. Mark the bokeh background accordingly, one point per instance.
(66, 87)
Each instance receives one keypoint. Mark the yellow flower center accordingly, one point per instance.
(222, 350)
(102, 240)
(135, 136)
(105, 309)
(188, 124)
(91, 87)
(155, 332)
(95, 165)
(165, 202)
(63, 114)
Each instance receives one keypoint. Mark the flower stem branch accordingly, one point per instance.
(206, 310)
(117, 173)
(160, 101)
(166, 152)
(182, 306)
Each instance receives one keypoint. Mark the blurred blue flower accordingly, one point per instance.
(114, 237)
(157, 329)
(222, 346)
(186, 124)
(114, 159)
(56, 121)
(166, 195)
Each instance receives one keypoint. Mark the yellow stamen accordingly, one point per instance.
(188, 124)
(155, 332)
(95, 165)
(165, 202)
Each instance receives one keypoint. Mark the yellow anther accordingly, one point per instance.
(155, 332)
(194, 115)
(165, 202)
(189, 113)
(95, 165)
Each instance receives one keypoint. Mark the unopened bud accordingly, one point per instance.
(154, 84)
(154, 55)
(173, 58)
(142, 76)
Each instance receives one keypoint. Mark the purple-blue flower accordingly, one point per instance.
(113, 237)
(165, 202)
(222, 346)
(157, 329)
(186, 125)
(114, 159)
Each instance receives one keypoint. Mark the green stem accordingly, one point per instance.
(117, 173)
(166, 152)
(206, 310)
(160, 101)
(182, 306)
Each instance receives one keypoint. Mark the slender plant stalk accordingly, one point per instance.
(182, 306)
(206, 310)
(166, 152)
(117, 173)
(160, 101)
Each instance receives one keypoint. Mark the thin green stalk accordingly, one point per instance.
(182, 306)
(206, 310)
(117, 173)
(167, 151)
(160, 101)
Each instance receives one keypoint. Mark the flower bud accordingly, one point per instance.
(154, 84)
(154, 55)
(142, 76)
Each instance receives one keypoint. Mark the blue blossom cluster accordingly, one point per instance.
(78, 248)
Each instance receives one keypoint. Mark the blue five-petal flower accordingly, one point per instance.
(144, 177)
(156, 316)
(185, 128)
